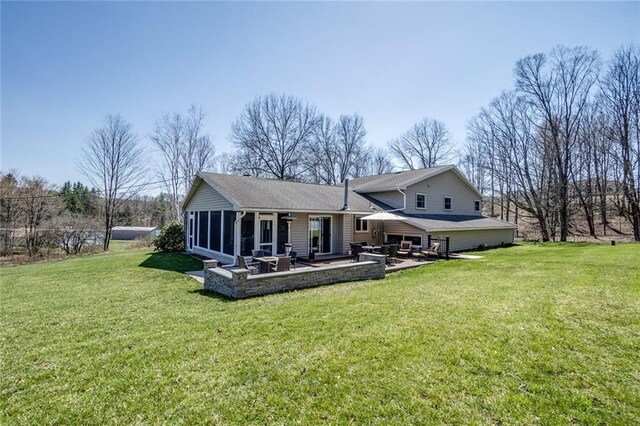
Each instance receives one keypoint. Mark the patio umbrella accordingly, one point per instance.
(383, 216)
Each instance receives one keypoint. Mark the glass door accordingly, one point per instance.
(266, 240)
(190, 237)
(320, 234)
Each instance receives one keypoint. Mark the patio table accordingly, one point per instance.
(264, 262)
(371, 248)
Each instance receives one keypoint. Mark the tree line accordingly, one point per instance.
(562, 146)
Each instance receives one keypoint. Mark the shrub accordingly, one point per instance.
(171, 238)
(482, 247)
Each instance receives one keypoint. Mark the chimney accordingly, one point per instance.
(346, 195)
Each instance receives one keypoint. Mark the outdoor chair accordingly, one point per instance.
(356, 249)
(246, 263)
(281, 265)
(432, 251)
(393, 254)
(384, 250)
(405, 249)
(364, 243)
(257, 253)
(293, 255)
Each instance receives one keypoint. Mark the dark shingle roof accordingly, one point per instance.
(441, 222)
(260, 193)
(393, 181)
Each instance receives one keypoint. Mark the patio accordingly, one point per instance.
(237, 283)
(328, 268)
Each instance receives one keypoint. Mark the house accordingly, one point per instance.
(227, 215)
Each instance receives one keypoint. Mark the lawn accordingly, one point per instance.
(534, 334)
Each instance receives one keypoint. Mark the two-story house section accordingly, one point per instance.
(437, 201)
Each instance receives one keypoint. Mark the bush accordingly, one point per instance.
(482, 247)
(171, 238)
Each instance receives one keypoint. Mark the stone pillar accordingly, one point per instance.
(239, 281)
(210, 264)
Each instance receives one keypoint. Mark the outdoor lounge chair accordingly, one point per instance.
(405, 248)
(246, 263)
(432, 251)
(281, 265)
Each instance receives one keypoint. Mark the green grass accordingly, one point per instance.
(535, 334)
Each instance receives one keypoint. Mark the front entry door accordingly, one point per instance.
(266, 240)
(320, 234)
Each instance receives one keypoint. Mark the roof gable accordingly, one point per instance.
(402, 180)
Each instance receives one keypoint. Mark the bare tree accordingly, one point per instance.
(558, 88)
(38, 202)
(113, 162)
(321, 164)
(620, 89)
(185, 150)
(426, 144)
(350, 146)
(169, 138)
(274, 130)
(72, 232)
(9, 195)
(379, 161)
(198, 153)
(338, 149)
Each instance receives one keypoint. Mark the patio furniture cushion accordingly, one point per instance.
(405, 248)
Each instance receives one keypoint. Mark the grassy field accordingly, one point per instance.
(535, 334)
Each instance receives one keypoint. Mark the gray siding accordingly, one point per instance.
(207, 198)
(363, 236)
(336, 233)
(468, 240)
(300, 234)
(347, 232)
(391, 198)
(436, 188)
(459, 240)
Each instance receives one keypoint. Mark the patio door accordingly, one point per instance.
(266, 233)
(320, 234)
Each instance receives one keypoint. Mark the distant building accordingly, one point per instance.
(134, 232)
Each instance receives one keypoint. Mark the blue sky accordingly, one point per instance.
(66, 65)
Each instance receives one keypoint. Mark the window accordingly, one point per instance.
(228, 235)
(214, 229)
(421, 201)
(361, 225)
(476, 205)
(447, 203)
(203, 230)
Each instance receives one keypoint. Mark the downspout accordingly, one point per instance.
(404, 203)
(404, 195)
(243, 213)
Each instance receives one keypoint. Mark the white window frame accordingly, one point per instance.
(479, 209)
(444, 203)
(364, 222)
(425, 201)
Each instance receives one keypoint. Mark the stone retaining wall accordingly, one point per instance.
(238, 284)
